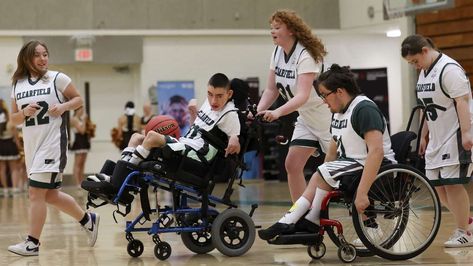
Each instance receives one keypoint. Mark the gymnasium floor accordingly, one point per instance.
(64, 243)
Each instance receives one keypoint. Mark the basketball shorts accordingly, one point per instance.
(306, 136)
(450, 175)
(334, 171)
(45, 180)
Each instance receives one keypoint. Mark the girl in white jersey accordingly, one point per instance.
(295, 64)
(360, 145)
(39, 99)
(446, 138)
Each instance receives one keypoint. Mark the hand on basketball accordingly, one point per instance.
(57, 110)
(30, 109)
(361, 202)
(233, 146)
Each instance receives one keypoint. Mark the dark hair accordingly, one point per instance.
(129, 104)
(301, 31)
(219, 80)
(25, 61)
(413, 45)
(177, 99)
(339, 77)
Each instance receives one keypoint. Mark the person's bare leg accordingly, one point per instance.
(442, 196)
(79, 163)
(3, 174)
(295, 162)
(37, 211)
(460, 204)
(15, 173)
(65, 203)
(153, 139)
(136, 139)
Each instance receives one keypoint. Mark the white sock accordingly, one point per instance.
(139, 155)
(126, 153)
(314, 213)
(296, 211)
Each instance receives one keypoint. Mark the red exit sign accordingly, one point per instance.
(84, 55)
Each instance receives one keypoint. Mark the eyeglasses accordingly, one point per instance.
(324, 96)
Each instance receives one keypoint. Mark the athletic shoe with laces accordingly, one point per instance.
(460, 238)
(374, 235)
(25, 248)
(275, 230)
(304, 225)
(92, 232)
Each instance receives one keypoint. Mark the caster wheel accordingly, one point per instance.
(162, 250)
(347, 253)
(317, 252)
(135, 248)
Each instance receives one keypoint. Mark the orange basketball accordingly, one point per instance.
(165, 125)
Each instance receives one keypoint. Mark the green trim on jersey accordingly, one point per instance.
(305, 143)
(37, 184)
(450, 181)
(367, 116)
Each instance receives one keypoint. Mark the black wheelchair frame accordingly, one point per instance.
(394, 197)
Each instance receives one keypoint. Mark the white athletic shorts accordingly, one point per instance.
(45, 180)
(449, 175)
(307, 136)
(333, 172)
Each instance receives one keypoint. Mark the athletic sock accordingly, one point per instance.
(85, 219)
(296, 211)
(139, 155)
(126, 153)
(33, 239)
(314, 213)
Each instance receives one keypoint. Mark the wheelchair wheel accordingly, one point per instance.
(341, 211)
(135, 248)
(317, 252)
(404, 214)
(233, 232)
(162, 250)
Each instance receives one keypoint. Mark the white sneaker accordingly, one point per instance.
(92, 232)
(374, 234)
(459, 239)
(26, 248)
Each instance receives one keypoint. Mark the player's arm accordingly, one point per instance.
(331, 154)
(270, 94)
(463, 112)
(73, 102)
(304, 87)
(78, 125)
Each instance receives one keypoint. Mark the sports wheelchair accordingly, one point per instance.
(401, 221)
(202, 228)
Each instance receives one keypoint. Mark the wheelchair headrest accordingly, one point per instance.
(401, 144)
(240, 93)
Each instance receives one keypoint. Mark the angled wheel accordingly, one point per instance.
(198, 242)
(341, 211)
(317, 252)
(347, 253)
(233, 232)
(135, 248)
(406, 211)
(162, 250)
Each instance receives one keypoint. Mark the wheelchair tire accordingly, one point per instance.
(135, 248)
(341, 213)
(198, 242)
(233, 232)
(407, 212)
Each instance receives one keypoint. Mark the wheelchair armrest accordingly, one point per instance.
(213, 140)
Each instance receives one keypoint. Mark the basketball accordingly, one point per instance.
(165, 125)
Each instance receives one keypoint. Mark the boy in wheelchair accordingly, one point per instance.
(218, 115)
(360, 145)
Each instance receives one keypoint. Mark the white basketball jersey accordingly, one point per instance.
(314, 113)
(445, 144)
(349, 143)
(208, 119)
(45, 137)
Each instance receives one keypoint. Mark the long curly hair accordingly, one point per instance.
(301, 31)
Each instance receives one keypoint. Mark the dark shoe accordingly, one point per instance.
(275, 230)
(304, 225)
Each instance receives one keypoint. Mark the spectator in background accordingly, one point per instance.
(128, 124)
(9, 154)
(83, 130)
(147, 115)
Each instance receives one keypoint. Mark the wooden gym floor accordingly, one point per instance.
(64, 243)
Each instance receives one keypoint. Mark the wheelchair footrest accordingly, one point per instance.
(303, 238)
(104, 190)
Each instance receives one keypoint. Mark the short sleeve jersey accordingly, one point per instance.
(45, 137)
(440, 84)
(226, 120)
(287, 68)
(349, 127)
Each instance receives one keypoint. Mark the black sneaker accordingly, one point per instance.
(275, 230)
(304, 225)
